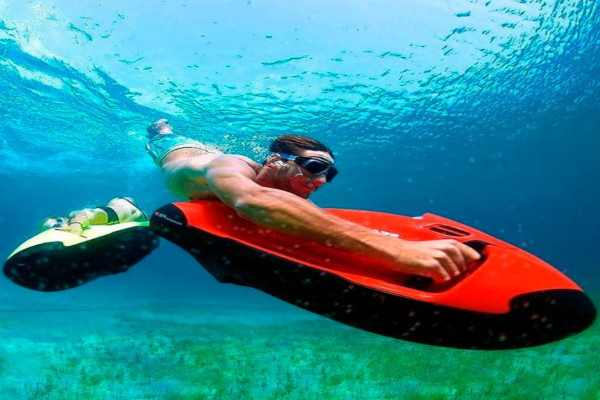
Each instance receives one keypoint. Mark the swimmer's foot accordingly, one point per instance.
(160, 127)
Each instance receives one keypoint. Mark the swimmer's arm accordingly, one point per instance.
(81, 219)
(233, 182)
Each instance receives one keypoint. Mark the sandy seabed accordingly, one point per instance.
(246, 351)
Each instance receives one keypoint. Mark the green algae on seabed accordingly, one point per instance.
(178, 353)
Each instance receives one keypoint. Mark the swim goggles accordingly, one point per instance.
(314, 166)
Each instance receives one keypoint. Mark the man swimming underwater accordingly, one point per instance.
(274, 195)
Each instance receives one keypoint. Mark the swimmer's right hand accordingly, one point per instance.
(441, 260)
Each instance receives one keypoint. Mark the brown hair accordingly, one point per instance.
(294, 144)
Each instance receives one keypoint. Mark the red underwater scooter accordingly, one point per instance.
(512, 299)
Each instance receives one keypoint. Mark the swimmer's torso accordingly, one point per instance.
(183, 184)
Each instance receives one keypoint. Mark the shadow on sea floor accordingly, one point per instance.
(250, 351)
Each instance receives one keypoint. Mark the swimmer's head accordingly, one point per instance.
(298, 164)
(53, 222)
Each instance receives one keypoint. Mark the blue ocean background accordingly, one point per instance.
(486, 112)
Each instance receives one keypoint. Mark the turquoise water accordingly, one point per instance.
(486, 112)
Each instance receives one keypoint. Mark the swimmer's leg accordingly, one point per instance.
(166, 146)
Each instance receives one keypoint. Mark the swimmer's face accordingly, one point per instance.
(291, 177)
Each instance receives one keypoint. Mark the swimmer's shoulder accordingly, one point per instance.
(219, 158)
(253, 164)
